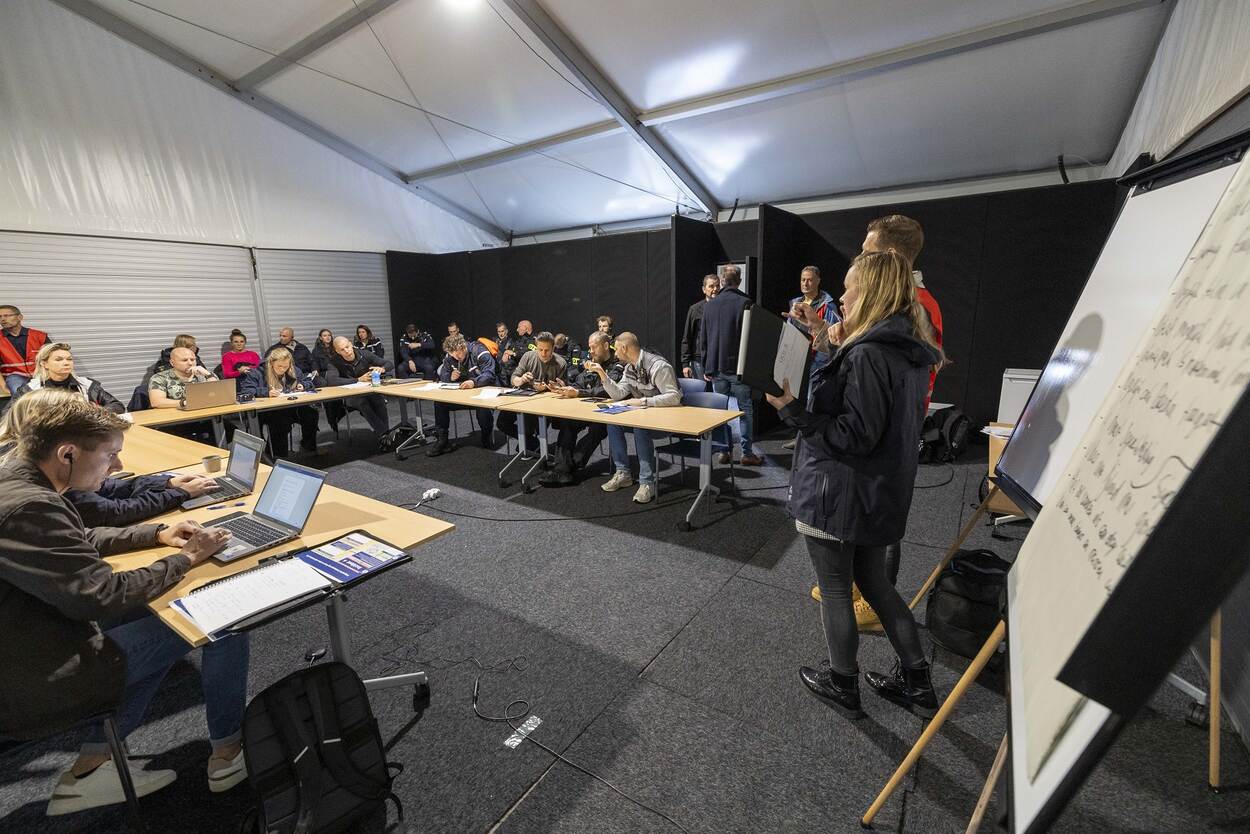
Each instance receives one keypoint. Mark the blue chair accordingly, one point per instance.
(722, 438)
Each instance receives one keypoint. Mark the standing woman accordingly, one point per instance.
(854, 470)
(277, 377)
(366, 341)
(238, 360)
(54, 368)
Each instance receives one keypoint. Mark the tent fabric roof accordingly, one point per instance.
(758, 102)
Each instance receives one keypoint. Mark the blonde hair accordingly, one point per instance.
(42, 356)
(271, 378)
(42, 420)
(454, 342)
(886, 287)
(185, 340)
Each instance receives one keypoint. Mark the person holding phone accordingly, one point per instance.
(79, 638)
(572, 454)
(854, 471)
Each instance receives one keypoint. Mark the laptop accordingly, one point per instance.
(280, 515)
(208, 394)
(240, 477)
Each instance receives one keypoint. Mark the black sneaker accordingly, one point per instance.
(911, 689)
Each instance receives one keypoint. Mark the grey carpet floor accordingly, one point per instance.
(662, 661)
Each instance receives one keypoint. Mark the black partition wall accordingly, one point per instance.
(1006, 268)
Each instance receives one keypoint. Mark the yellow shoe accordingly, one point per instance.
(816, 592)
(865, 617)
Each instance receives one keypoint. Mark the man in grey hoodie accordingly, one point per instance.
(649, 381)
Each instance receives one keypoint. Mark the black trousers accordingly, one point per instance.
(373, 408)
(279, 422)
(442, 416)
(580, 450)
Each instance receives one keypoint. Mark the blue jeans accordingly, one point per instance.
(15, 381)
(733, 385)
(644, 442)
(151, 648)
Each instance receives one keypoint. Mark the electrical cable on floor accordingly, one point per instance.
(949, 477)
(518, 709)
(652, 507)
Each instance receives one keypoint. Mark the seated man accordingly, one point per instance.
(349, 364)
(167, 388)
(471, 365)
(569, 349)
(540, 369)
(78, 638)
(300, 353)
(118, 502)
(18, 348)
(649, 380)
(571, 453)
(416, 354)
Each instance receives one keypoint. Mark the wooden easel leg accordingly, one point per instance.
(1213, 709)
(983, 801)
(954, 548)
(948, 706)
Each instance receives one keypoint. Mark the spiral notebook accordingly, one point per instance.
(218, 605)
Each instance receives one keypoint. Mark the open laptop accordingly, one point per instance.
(280, 515)
(240, 477)
(208, 394)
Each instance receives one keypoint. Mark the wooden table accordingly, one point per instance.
(145, 451)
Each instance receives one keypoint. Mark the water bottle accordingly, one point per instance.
(375, 378)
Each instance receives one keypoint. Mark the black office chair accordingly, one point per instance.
(117, 751)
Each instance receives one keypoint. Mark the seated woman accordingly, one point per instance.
(366, 341)
(278, 377)
(238, 360)
(54, 368)
(854, 469)
(79, 638)
(118, 502)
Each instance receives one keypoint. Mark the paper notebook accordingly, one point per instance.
(219, 605)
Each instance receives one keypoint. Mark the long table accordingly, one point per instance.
(146, 451)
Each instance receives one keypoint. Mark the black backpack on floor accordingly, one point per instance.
(966, 602)
(314, 754)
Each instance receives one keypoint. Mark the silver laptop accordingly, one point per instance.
(280, 515)
(240, 477)
(199, 395)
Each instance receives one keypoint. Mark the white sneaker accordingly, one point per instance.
(645, 494)
(227, 774)
(102, 786)
(619, 480)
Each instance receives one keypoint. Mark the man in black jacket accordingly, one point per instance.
(469, 365)
(691, 363)
(719, 342)
(416, 354)
(571, 453)
(348, 365)
(301, 356)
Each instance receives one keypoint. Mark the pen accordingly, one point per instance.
(223, 506)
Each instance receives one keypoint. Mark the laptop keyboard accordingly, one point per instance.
(224, 492)
(250, 531)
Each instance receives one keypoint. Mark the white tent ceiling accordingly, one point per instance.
(504, 107)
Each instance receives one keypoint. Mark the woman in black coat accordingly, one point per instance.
(854, 469)
(366, 341)
(277, 376)
(54, 368)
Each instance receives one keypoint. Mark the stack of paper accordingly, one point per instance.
(221, 604)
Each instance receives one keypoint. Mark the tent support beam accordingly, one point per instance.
(514, 152)
(327, 34)
(138, 37)
(541, 25)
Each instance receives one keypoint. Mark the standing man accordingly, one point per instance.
(18, 348)
(720, 339)
(818, 302)
(648, 381)
(300, 354)
(572, 454)
(540, 369)
(471, 365)
(691, 363)
(349, 364)
(416, 354)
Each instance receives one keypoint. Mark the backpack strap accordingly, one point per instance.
(330, 746)
(301, 753)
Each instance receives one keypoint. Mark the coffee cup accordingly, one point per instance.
(212, 463)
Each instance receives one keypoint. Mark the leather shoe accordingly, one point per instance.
(838, 691)
(752, 460)
(911, 689)
(724, 458)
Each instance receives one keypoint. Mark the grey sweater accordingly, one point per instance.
(652, 378)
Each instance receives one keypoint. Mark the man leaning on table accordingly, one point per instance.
(648, 381)
(78, 637)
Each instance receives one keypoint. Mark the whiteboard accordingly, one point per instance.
(1152, 236)
(1180, 383)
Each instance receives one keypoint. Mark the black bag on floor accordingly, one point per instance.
(967, 600)
(314, 754)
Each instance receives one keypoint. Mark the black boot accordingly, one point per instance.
(838, 691)
(487, 437)
(562, 473)
(583, 450)
(441, 444)
(911, 689)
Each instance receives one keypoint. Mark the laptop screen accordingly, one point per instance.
(289, 494)
(244, 458)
